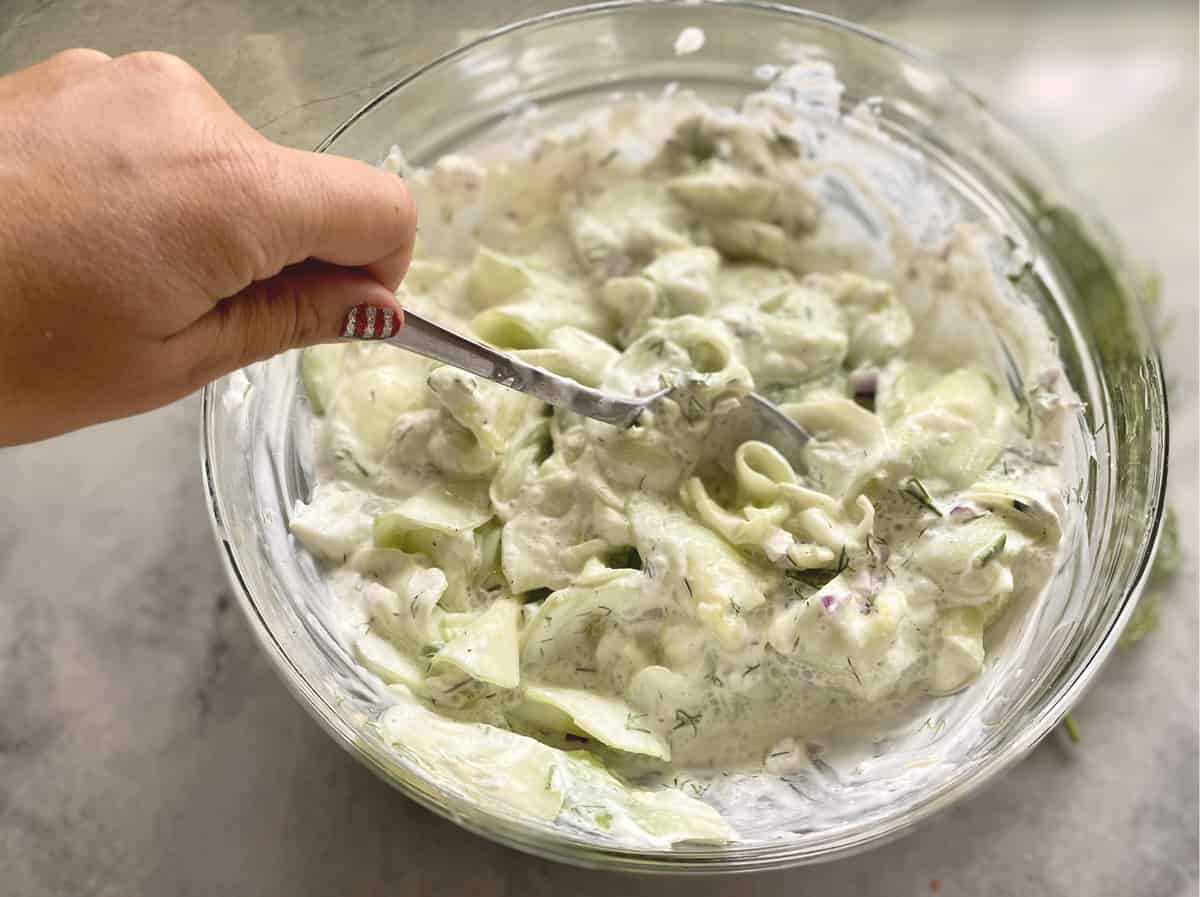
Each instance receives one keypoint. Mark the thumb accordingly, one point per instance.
(308, 303)
(337, 210)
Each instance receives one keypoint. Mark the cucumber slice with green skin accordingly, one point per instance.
(718, 189)
(368, 403)
(604, 718)
(386, 661)
(423, 276)
(663, 817)
(334, 522)
(954, 429)
(496, 278)
(488, 649)
(320, 367)
(499, 769)
(880, 327)
(716, 582)
(528, 324)
(442, 507)
(686, 276)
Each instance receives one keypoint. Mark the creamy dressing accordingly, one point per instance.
(665, 603)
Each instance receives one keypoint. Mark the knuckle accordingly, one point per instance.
(309, 227)
(238, 327)
(309, 326)
(282, 318)
(298, 201)
(158, 64)
(297, 320)
(76, 56)
(234, 187)
(254, 181)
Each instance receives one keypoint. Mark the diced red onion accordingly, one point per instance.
(864, 382)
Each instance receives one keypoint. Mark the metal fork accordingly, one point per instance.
(754, 417)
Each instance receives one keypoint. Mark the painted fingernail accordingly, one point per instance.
(369, 322)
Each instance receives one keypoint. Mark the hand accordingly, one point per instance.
(151, 240)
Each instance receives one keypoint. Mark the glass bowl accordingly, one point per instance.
(255, 432)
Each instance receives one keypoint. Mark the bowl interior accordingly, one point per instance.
(552, 69)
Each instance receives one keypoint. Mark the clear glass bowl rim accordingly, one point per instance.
(736, 858)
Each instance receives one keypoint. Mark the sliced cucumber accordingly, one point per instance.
(320, 367)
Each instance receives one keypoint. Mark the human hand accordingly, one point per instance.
(151, 240)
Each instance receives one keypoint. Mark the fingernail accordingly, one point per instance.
(370, 322)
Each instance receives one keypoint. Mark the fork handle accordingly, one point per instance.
(422, 336)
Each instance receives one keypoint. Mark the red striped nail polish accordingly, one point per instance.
(369, 322)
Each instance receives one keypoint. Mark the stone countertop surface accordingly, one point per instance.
(148, 748)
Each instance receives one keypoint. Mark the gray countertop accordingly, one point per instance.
(147, 747)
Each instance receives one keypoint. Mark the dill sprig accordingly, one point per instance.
(695, 410)
(633, 723)
(683, 718)
(345, 455)
(842, 562)
(992, 550)
(915, 489)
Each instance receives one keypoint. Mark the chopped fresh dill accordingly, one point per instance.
(633, 723)
(683, 718)
(915, 489)
(412, 604)
(346, 455)
(857, 678)
(992, 551)
(842, 562)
